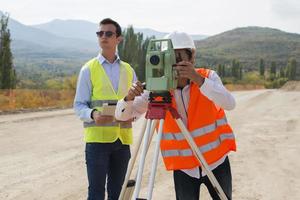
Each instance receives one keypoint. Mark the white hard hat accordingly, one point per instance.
(181, 40)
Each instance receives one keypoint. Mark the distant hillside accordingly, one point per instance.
(249, 45)
(58, 38)
(83, 29)
(36, 36)
(86, 30)
(39, 55)
(60, 47)
(36, 63)
(70, 29)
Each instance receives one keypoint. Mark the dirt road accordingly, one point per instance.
(42, 153)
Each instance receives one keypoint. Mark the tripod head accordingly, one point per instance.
(162, 97)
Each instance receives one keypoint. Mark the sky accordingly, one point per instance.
(206, 17)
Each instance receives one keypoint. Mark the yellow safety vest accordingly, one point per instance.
(103, 92)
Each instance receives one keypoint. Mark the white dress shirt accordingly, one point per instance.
(212, 88)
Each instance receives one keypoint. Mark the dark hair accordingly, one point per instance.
(189, 53)
(110, 21)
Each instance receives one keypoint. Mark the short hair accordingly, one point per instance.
(110, 21)
(189, 52)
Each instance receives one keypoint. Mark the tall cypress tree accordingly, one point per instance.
(236, 70)
(133, 50)
(223, 70)
(273, 71)
(297, 69)
(240, 72)
(282, 73)
(292, 70)
(7, 72)
(262, 67)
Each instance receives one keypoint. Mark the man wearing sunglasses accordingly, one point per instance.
(200, 99)
(102, 82)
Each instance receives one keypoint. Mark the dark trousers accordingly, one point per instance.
(106, 161)
(188, 188)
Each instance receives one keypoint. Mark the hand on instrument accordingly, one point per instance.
(186, 69)
(135, 90)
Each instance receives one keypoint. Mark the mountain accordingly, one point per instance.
(86, 30)
(79, 29)
(62, 46)
(248, 45)
(39, 55)
(21, 32)
(60, 36)
(54, 50)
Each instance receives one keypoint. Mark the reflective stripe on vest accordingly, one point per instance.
(207, 125)
(198, 132)
(104, 93)
(99, 103)
(121, 124)
(203, 149)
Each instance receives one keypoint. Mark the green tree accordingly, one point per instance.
(292, 70)
(262, 67)
(297, 68)
(7, 71)
(282, 72)
(141, 70)
(220, 70)
(240, 72)
(236, 70)
(133, 50)
(224, 70)
(273, 70)
(129, 47)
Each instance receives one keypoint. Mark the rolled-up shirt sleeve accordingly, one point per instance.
(126, 110)
(214, 90)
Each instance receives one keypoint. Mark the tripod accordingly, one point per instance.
(157, 111)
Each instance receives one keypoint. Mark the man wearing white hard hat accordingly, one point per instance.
(200, 100)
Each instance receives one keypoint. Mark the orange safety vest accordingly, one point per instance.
(207, 125)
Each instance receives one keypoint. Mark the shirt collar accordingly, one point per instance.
(102, 59)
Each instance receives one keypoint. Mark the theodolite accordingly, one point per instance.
(161, 76)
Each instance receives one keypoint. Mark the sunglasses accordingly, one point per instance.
(106, 33)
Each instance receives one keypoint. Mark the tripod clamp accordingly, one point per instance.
(157, 108)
